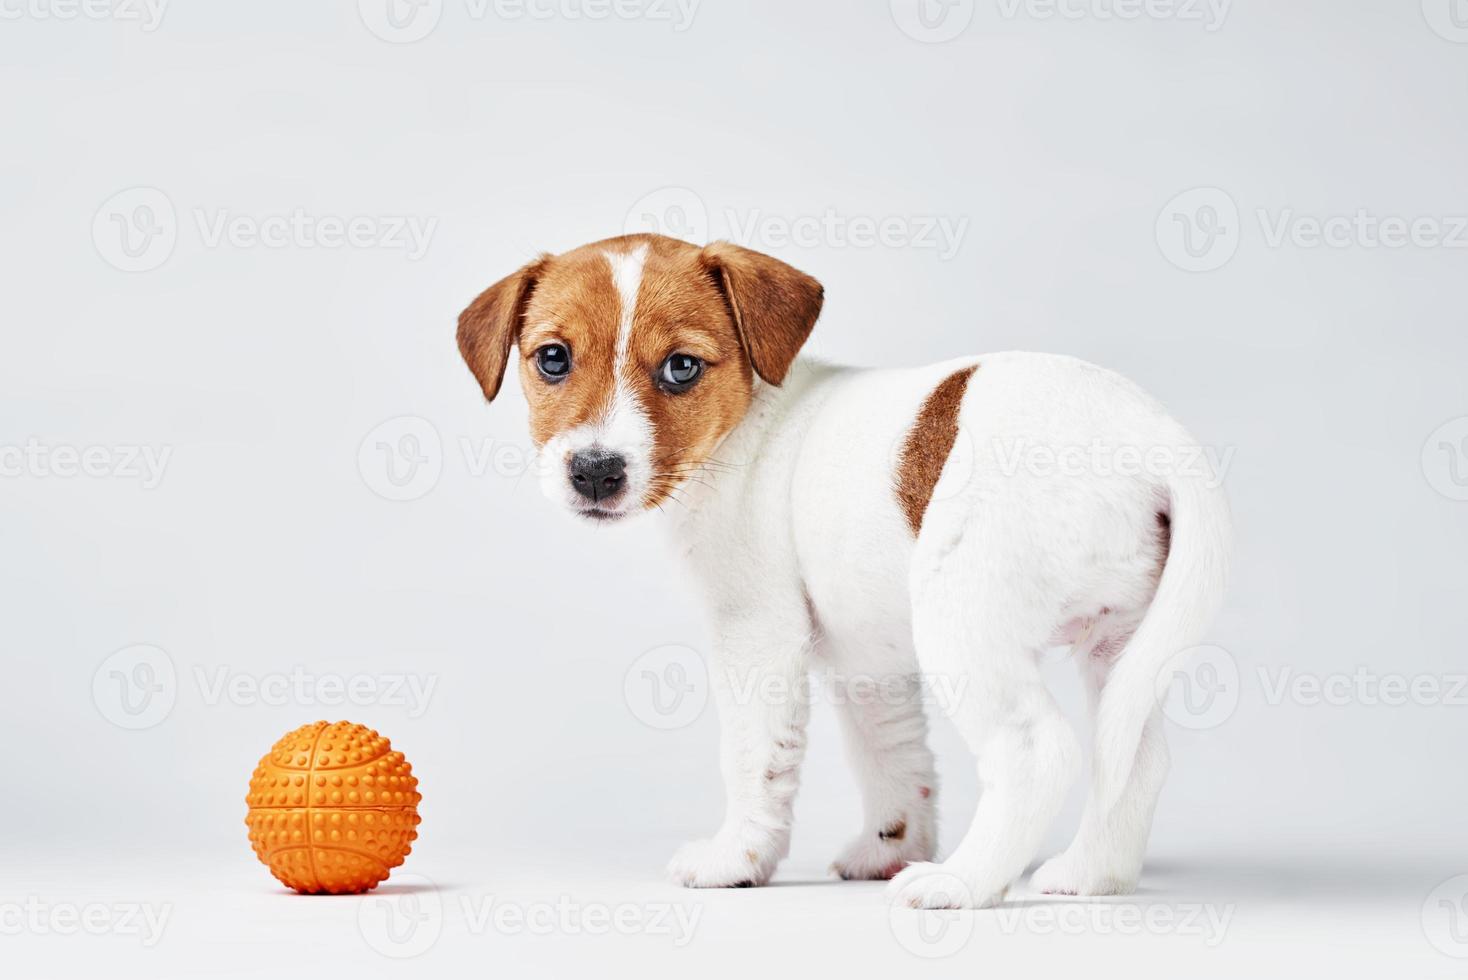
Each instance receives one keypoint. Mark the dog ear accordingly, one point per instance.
(774, 305)
(491, 325)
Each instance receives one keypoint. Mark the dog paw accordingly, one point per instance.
(935, 886)
(723, 861)
(880, 854)
(1067, 875)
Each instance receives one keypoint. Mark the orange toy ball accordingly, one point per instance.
(333, 809)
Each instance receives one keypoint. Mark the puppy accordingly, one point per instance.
(919, 528)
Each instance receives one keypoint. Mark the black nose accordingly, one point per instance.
(597, 474)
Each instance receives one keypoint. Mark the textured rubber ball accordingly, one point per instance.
(332, 809)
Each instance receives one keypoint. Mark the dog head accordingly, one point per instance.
(637, 355)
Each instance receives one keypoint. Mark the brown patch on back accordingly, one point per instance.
(928, 444)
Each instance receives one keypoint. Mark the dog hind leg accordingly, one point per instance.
(1106, 856)
(886, 734)
(981, 615)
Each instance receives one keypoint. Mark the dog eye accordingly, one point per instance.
(554, 362)
(679, 372)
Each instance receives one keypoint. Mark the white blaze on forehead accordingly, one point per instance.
(623, 426)
(627, 275)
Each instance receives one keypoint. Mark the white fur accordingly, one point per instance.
(809, 564)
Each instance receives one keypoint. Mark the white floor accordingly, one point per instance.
(1264, 915)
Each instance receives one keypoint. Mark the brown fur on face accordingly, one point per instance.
(740, 312)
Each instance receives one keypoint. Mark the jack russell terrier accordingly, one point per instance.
(876, 523)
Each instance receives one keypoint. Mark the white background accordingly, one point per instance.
(1058, 144)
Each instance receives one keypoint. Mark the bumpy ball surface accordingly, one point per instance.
(333, 809)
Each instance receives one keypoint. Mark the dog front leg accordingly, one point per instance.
(761, 684)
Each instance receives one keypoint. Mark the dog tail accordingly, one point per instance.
(1188, 594)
